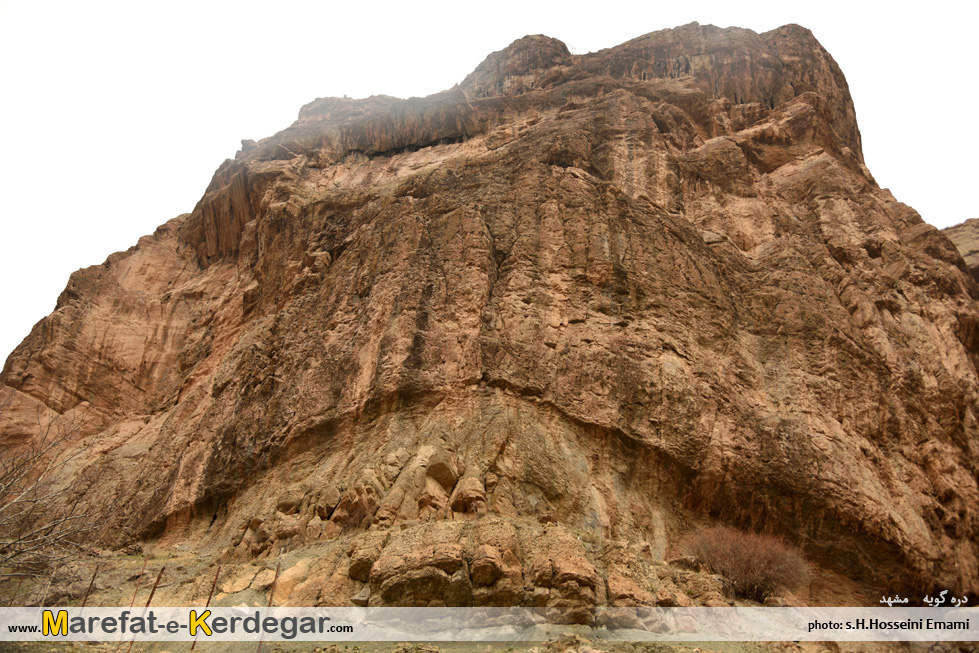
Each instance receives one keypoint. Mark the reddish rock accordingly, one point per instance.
(324, 500)
(445, 468)
(624, 592)
(357, 506)
(364, 552)
(469, 496)
(435, 576)
(487, 566)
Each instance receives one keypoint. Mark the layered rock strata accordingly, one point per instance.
(965, 237)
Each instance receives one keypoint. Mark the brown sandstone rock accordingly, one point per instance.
(624, 592)
(290, 579)
(564, 578)
(357, 506)
(364, 552)
(965, 237)
(241, 580)
(435, 576)
(487, 566)
(445, 468)
(469, 496)
(263, 580)
(628, 289)
(324, 500)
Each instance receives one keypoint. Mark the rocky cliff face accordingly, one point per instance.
(965, 237)
(507, 343)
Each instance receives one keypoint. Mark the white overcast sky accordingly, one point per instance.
(113, 116)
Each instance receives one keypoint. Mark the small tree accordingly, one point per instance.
(756, 565)
(42, 517)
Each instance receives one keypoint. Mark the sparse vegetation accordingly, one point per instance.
(756, 565)
(42, 521)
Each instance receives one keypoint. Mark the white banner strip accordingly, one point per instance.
(489, 624)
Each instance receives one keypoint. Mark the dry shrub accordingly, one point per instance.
(44, 522)
(756, 565)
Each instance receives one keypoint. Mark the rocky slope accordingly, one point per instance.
(507, 343)
(965, 237)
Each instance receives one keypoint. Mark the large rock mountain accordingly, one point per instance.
(507, 343)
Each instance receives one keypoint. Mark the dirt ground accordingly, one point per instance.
(565, 644)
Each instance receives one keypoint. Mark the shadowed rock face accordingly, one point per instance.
(575, 298)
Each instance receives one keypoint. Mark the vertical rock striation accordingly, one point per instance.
(594, 296)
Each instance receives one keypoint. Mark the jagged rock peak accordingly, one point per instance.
(732, 64)
(517, 67)
(738, 65)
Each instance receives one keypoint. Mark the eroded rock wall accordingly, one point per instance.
(617, 293)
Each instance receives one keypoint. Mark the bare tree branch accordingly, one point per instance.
(43, 515)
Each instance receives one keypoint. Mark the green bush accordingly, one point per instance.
(756, 565)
